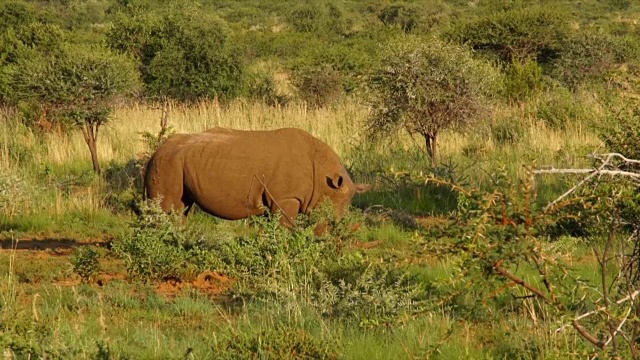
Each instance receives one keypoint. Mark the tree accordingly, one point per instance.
(427, 85)
(77, 86)
(516, 35)
(182, 55)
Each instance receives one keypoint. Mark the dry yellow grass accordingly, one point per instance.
(340, 126)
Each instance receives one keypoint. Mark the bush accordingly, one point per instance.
(427, 85)
(401, 15)
(160, 248)
(260, 86)
(368, 295)
(585, 56)
(507, 130)
(86, 262)
(181, 54)
(16, 13)
(621, 129)
(559, 107)
(517, 34)
(523, 80)
(14, 193)
(280, 342)
(318, 86)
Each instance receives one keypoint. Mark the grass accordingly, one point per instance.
(52, 197)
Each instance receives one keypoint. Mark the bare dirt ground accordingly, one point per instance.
(32, 256)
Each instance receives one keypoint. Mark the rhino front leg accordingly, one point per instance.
(289, 208)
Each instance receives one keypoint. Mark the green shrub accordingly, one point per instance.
(181, 53)
(15, 14)
(402, 15)
(369, 295)
(280, 342)
(260, 86)
(620, 130)
(588, 55)
(426, 85)
(507, 130)
(516, 34)
(318, 86)
(159, 247)
(523, 80)
(86, 262)
(306, 17)
(14, 193)
(559, 107)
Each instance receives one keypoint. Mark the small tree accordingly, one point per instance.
(76, 87)
(427, 85)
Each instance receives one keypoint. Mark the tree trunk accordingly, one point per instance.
(90, 132)
(431, 141)
(164, 119)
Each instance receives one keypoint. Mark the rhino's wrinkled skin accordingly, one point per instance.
(233, 174)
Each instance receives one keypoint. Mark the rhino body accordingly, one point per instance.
(234, 174)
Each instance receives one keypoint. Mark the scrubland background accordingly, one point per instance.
(412, 271)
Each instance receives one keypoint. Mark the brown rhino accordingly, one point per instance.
(234, 174)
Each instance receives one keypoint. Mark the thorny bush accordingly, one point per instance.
(504, 250)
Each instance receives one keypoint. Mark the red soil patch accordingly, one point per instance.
(207, 282)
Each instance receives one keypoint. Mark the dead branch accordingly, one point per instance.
(585, 334)
(606, 168)
(588, 171)
(610, 156)
(602, 308)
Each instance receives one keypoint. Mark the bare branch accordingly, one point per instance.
(521, 282)
(617, 330)
(610, 156)
(588, 171)
(602, 308)
(603, 169)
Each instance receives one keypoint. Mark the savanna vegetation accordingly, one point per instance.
(473, 242)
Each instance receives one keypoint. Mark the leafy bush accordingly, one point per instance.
(559, 107)
(402, 15)
(507, 130)
(15, 14)
(181, 53)
(621, 129)
(77, 86)
(261, 87)
(159, 248)
(523, 80)
(588, 55)
(280, 342)
(369, 295)
(516, 34)
(318, 86)
(14, 192)
(86, 262)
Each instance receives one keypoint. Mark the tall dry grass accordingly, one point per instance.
(340, 126)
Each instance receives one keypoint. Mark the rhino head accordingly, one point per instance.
(340, 190)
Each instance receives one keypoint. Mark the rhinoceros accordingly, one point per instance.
(234, 174)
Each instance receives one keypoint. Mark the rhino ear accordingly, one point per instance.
(335, 181)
